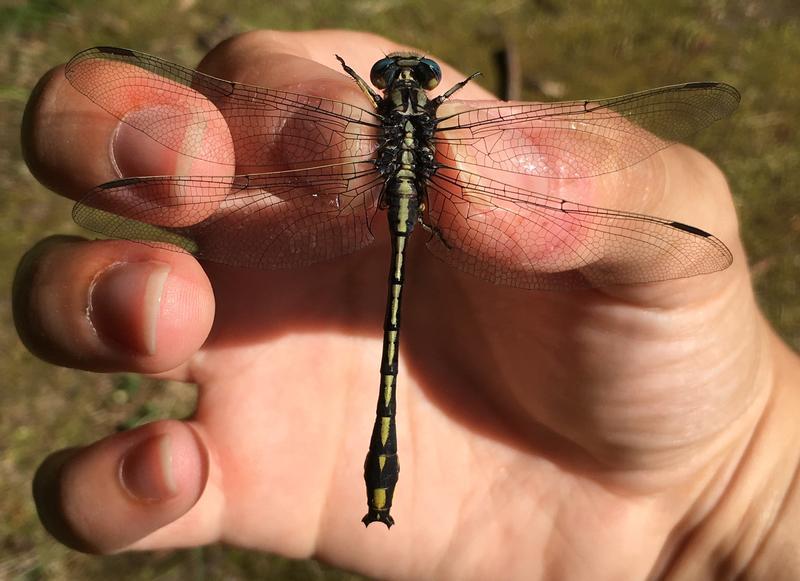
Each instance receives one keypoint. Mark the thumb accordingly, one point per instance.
(111, 494)
(510, 208)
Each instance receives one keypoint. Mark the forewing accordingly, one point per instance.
(271, 130)
(519, 238)
(576, 139)
(277, 220)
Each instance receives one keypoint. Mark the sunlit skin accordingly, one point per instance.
(614, 434)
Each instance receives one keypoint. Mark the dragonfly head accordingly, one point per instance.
(408, 67)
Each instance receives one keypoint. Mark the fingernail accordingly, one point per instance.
(146, 470)
(133, 153)
(125, 304)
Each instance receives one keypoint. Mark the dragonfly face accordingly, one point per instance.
(425, 169)
(408, 68)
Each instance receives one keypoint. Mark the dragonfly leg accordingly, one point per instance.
(383, 200)
(362, 84)
(435, 232)
(446, 95)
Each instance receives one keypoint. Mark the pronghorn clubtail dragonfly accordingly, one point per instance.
(310, 173)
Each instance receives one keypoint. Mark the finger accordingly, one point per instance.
(111, 305)
(109, 495)
(71, 144)
(143, 124)
(58, 115)
(280, 60)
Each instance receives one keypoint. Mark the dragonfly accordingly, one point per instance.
(310, 174)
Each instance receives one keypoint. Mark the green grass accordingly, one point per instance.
(589, 48)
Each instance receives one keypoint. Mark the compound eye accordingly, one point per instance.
(381, 73)
(429, 73)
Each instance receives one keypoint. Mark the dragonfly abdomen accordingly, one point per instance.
(381, 466)
(400, 195)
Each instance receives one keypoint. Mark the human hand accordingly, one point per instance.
(582, 434)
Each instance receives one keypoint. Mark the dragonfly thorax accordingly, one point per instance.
(406, 152)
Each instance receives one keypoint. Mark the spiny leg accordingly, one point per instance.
(446, 95)
(437, 233)
(433, 230)
(362, 84)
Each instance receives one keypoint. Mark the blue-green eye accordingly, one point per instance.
(383, 72)
(429, 73)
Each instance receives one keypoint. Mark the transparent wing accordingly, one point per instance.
(578, 139)
(271, 130)
(277, 220)
(510, 236)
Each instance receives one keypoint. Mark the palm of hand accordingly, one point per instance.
(519, 411)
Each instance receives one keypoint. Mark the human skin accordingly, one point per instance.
(626, 433)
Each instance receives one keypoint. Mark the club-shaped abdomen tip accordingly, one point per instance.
(378, 516)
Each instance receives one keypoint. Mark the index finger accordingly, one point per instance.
(161, 124)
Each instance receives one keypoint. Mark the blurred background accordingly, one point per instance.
(558, 49)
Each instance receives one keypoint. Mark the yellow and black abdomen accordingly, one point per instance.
(382, 467)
